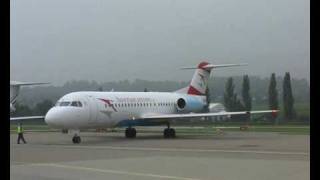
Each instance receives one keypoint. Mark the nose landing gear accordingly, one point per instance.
(76, 138)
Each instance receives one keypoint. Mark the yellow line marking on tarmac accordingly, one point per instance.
(181, 150)
(111, 171)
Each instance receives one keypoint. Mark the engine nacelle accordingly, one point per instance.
(189, 104)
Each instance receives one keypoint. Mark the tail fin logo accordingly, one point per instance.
(202, 82)
(199, 80)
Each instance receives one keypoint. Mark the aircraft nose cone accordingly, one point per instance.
(51, 117)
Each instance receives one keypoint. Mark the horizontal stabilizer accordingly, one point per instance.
(17, 83)
(26, 118)
(212, 66)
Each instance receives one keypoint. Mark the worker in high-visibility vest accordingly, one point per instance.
(20, 134)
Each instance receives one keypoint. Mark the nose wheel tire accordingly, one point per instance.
(169, 133)
(76, 139)
(131, 133)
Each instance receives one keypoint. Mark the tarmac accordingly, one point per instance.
(227, 156)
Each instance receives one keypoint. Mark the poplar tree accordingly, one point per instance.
(206, 108)
(229, 95)
(273, 95)
(288, 100)
(246, 98)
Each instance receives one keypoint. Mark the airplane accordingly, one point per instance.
(93, 109)
(15, 89)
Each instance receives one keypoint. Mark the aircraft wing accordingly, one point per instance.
(26, 118)
(17, 83)
(194, 115)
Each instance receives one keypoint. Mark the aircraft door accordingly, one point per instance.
(93, 108)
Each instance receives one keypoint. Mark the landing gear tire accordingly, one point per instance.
(169, 133)
(64, 131)
(131, 133)
(76, 139)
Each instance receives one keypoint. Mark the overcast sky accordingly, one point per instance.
(105, 40)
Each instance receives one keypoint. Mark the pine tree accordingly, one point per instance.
(246, 98)
(273, 95)
(288, 100)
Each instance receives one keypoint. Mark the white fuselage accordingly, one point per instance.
(81, 110)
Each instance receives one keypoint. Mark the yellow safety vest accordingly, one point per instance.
(19, 129)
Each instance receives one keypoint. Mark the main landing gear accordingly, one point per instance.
(76, 139)
(131, 132)
(169, 132)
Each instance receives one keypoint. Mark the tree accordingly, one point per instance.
(22, 110)
(229, 95)
(288, 100)
(206, 107)
(273, 95)
(43, 107)
(246, 98)
(231, 102)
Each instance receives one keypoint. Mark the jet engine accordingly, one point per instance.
(189, 104)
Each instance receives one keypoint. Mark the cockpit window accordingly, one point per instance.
(76, 104)
(79, 104)
(68, 103)
(65, 103)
